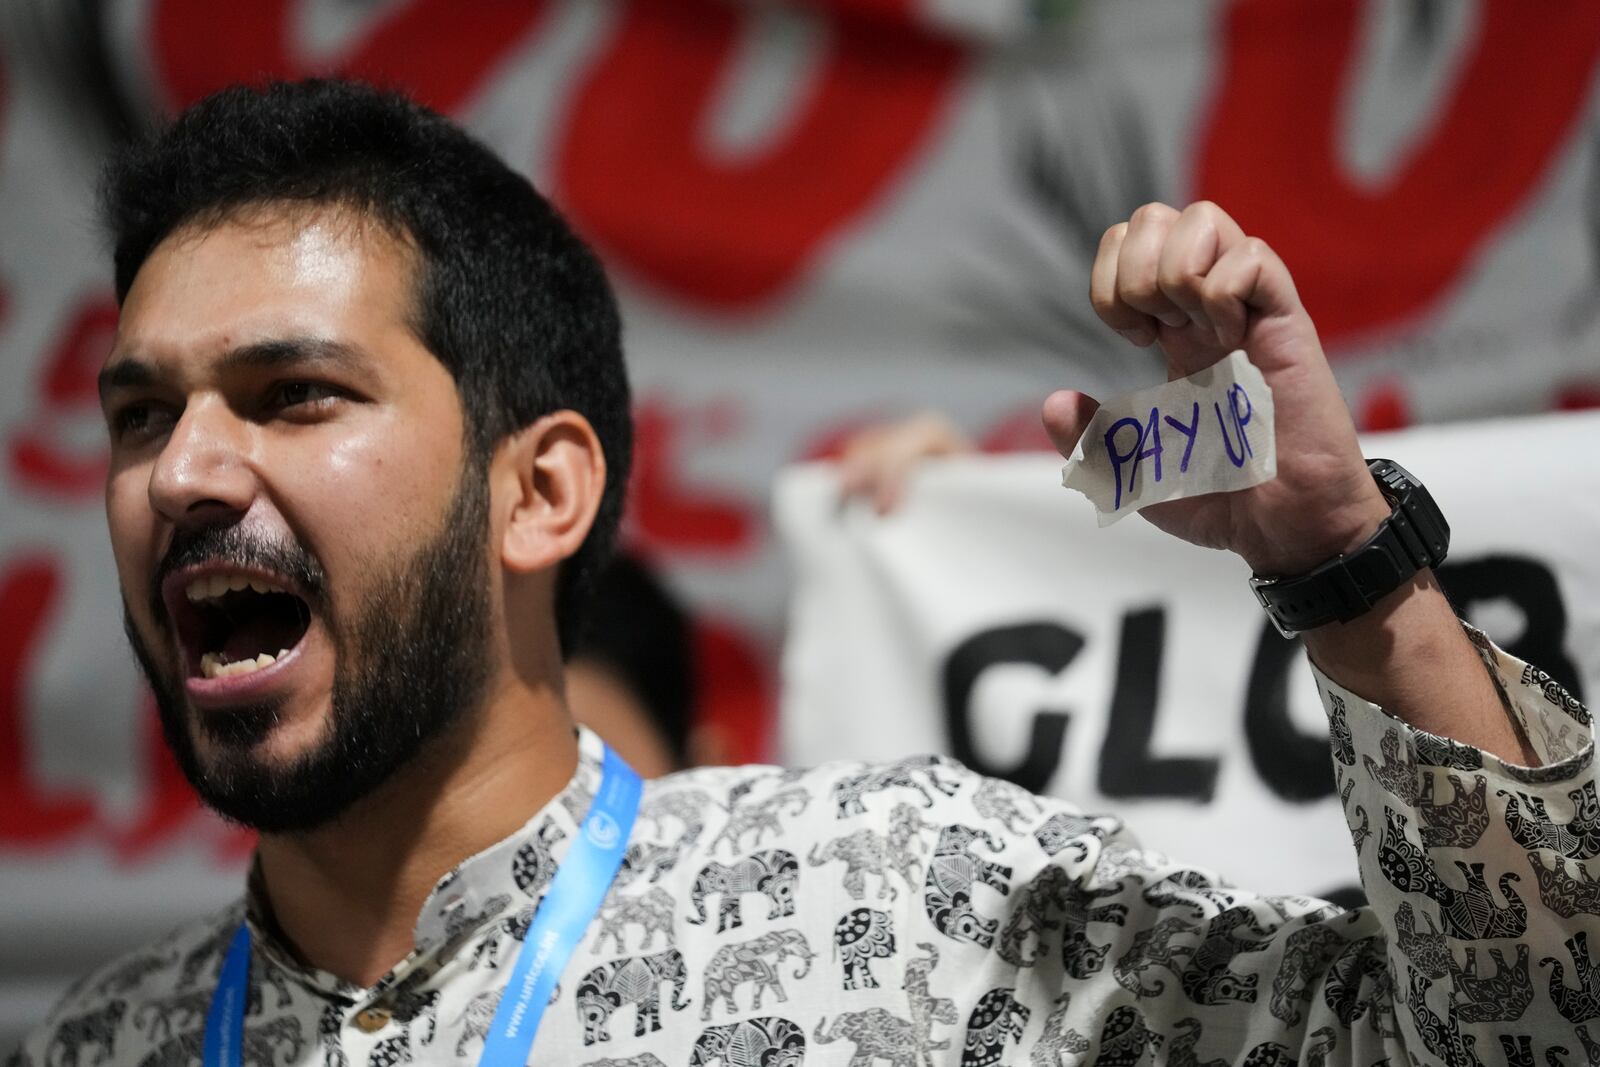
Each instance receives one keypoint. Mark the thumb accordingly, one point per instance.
(1066, 415)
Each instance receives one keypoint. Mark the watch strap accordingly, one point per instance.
(1414, 536)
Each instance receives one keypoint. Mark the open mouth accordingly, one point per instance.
(232, 623)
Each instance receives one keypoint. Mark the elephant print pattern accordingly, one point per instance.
(773, 874)
(859, 937)
(914, 914)
(755, 963)
(952, 873)
(632, 980)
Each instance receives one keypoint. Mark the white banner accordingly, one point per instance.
(991, 619)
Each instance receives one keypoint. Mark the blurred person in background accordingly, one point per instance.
(334, 435)
(632, 678)
(877, 462)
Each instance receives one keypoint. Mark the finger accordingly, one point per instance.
(856, 463)
(853, 479)
(1135, 326)
(1066, 415)
(912, 444)
(1199, 237)
(880, 461)
(930, 433)
(1248, 278)
(893, 476)
(1139, 260)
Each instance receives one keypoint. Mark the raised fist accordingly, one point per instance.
(1195, 284)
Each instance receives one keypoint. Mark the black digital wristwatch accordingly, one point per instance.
(1414, 536)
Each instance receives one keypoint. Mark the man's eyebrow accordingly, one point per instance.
(124, 374)
(278, 353)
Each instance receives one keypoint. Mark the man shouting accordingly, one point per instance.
(369, 429)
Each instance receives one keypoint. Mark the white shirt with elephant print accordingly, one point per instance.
(915, 914)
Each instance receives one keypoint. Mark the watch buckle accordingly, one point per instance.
(1258, 587)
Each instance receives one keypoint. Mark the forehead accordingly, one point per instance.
(267, 272)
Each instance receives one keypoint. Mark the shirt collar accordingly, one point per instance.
(512, 874)
(501, 884)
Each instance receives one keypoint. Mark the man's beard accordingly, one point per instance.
(413, 660)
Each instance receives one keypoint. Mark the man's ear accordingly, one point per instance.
(546, 480)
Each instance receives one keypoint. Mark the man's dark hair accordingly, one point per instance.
(509, 299)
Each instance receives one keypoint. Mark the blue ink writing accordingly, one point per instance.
(1190, 431)
(1127, 452)
(1150, 432)
(1240, 420)
(1119, 458)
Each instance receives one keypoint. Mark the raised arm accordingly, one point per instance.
(1467, 778)
(1194, 283)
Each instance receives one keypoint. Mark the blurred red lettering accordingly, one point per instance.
(170, 809)
(736, 690)
(30, 813)
(901, 12)
(668, 514)
(440, 51)
(634, 169)
(5, 299)
(168, 801)
(1384, 406)
(40, 458)
(1364, 258)
(1577, 396)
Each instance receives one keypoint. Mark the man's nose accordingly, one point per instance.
(203, 473)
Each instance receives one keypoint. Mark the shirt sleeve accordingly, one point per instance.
(1480, 871)
(1472, 951)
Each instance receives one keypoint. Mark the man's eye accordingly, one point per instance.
(137, 420)
(301, 394)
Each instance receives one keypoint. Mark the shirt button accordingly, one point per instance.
(371, 1020)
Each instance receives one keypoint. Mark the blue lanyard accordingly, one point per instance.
(574, 896)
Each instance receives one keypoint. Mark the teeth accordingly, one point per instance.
(209, 587)
(212, 666)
